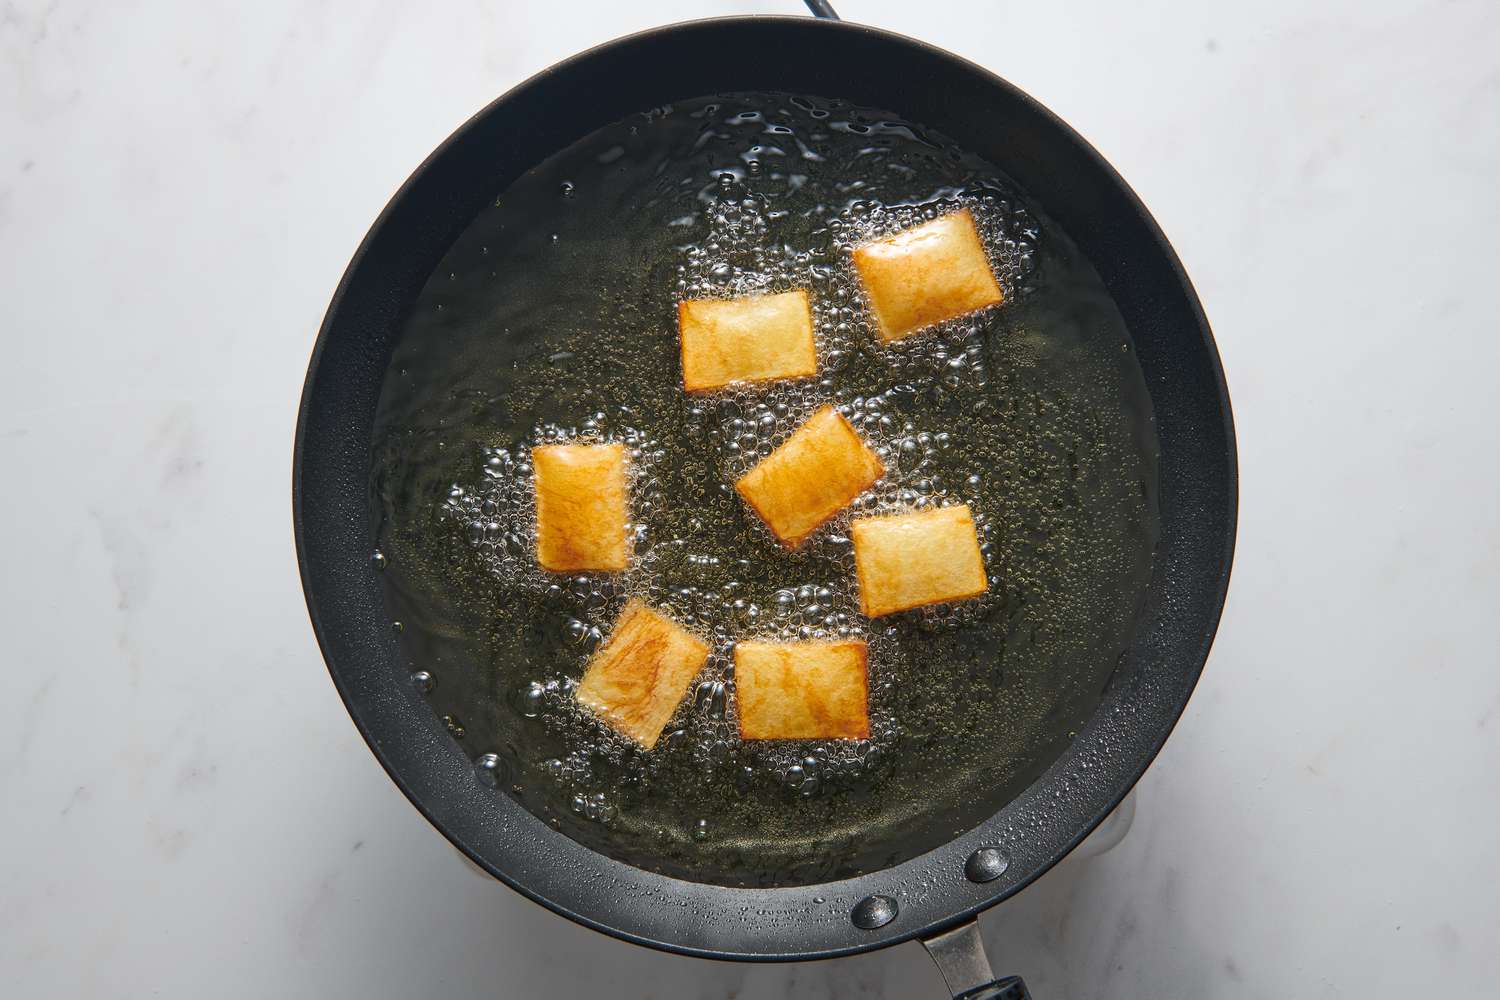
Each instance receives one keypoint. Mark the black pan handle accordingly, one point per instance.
(822, 8)
(1009, 988)
(960, 957)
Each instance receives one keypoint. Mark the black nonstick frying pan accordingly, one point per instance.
(936, 895)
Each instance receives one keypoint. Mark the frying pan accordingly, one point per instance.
(936, 895)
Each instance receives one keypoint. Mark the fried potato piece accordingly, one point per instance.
(802, 690)
(911, 560)
(758, 338)
(925, 275)
(581, 507)
(635, 681)
(815, 474)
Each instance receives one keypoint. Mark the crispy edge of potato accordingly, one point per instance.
(695, 314)
(847, 726)
(641, 632)
(860, 532)
(866, 467)
(872, 266)
(559, 521)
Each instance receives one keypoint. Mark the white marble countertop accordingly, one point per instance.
(188, 810)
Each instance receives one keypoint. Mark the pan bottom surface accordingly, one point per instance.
(553, 318)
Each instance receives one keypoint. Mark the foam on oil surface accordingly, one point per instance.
(548, 323)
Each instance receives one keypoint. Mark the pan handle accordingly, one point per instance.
(822, 8)
(960, 957)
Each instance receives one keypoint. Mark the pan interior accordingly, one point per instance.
(553, 317)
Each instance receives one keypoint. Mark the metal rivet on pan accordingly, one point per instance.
(873, 911)
(986, 865)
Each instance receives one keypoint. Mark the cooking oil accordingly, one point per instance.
(553, 318)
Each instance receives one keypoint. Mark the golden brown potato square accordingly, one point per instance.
(581, 507)
(636, 680)
(925, 275)
(911, 560)
(815, 474)
(758, 338)
(802, 690)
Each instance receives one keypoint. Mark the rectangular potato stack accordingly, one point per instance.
(581, 507)
(802, 691)
(910, 560)
(815, 474)
(636, 680)
(758, 338)
(925, 275)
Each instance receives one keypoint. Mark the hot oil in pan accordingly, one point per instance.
(553, 317)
